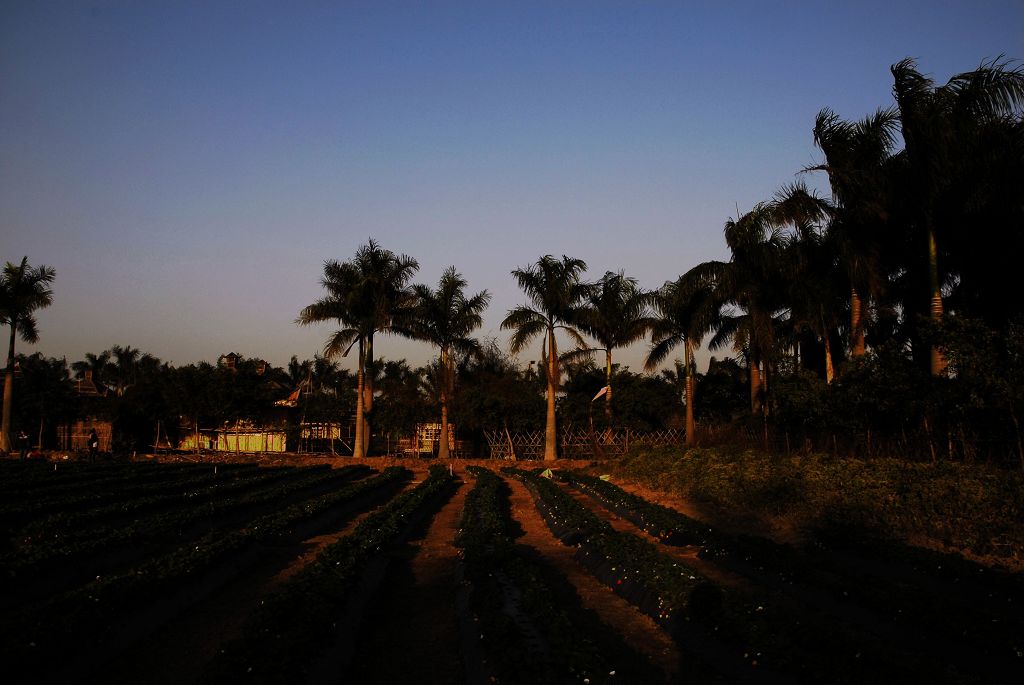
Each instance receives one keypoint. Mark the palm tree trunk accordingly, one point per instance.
(691, 385)
(829, 369)
(755, 388)
(368, 398)
(550, 427)
(608, 395)
(857, 347)
(938, 359)
(357, 448)
(5, 434)
(443, 450)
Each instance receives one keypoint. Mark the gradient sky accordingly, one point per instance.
(187, 167)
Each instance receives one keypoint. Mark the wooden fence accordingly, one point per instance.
(578, 444)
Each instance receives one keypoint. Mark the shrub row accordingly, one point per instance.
(972, 508)
(291, 626)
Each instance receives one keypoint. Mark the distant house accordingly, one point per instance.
(229, 360)
(87, 386)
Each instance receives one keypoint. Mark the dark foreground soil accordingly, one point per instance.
(413, 626)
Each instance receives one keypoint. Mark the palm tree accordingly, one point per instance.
(857, 160)
(939, 126)
(754, 281)
(366, 296)
(126, 361)
(445, 318)
(685, 311)
(810, 259)
(95, 367)
(616, 314)
(23, 290)
(555, 292)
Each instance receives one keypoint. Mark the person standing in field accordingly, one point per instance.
(23, 444)
(94, 445)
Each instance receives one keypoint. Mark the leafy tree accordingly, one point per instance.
(495, 394)
(402, 401)
(555, 292)
(23, 290)
(445, 318)
(46, 397)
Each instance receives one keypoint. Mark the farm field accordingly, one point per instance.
(477, 572)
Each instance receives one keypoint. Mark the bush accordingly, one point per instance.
(970, 508)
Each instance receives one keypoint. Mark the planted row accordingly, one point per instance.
(533, 627)
(61, 548)
(796, 572)
(282, 639)
(749, 630)
(92, 610)
(191, 489)
(45, 480)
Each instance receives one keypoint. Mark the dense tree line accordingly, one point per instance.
(877, 319)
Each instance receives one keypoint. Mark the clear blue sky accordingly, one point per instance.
(188, 166)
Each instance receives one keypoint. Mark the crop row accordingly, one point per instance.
(60, 548)
(189, 490)
(94, 608)
(819, 579)
(52, 479)
(112, 492)
(750, 630)
(292, 626)
(533, 628)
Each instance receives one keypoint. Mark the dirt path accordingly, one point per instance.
(414, 628)
(639, 631)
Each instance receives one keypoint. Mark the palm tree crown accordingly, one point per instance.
(616, 314)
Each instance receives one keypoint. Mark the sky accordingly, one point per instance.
(187, 167)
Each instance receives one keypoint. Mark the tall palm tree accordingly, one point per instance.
(754, 281)
(616, 314)
(126, 360)
(555, 292)
(810, 260)
(96, 366)
(938, 124)
(23, 290)
(445, 317)
(366, 296)
(858, 159)
(685, 310)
